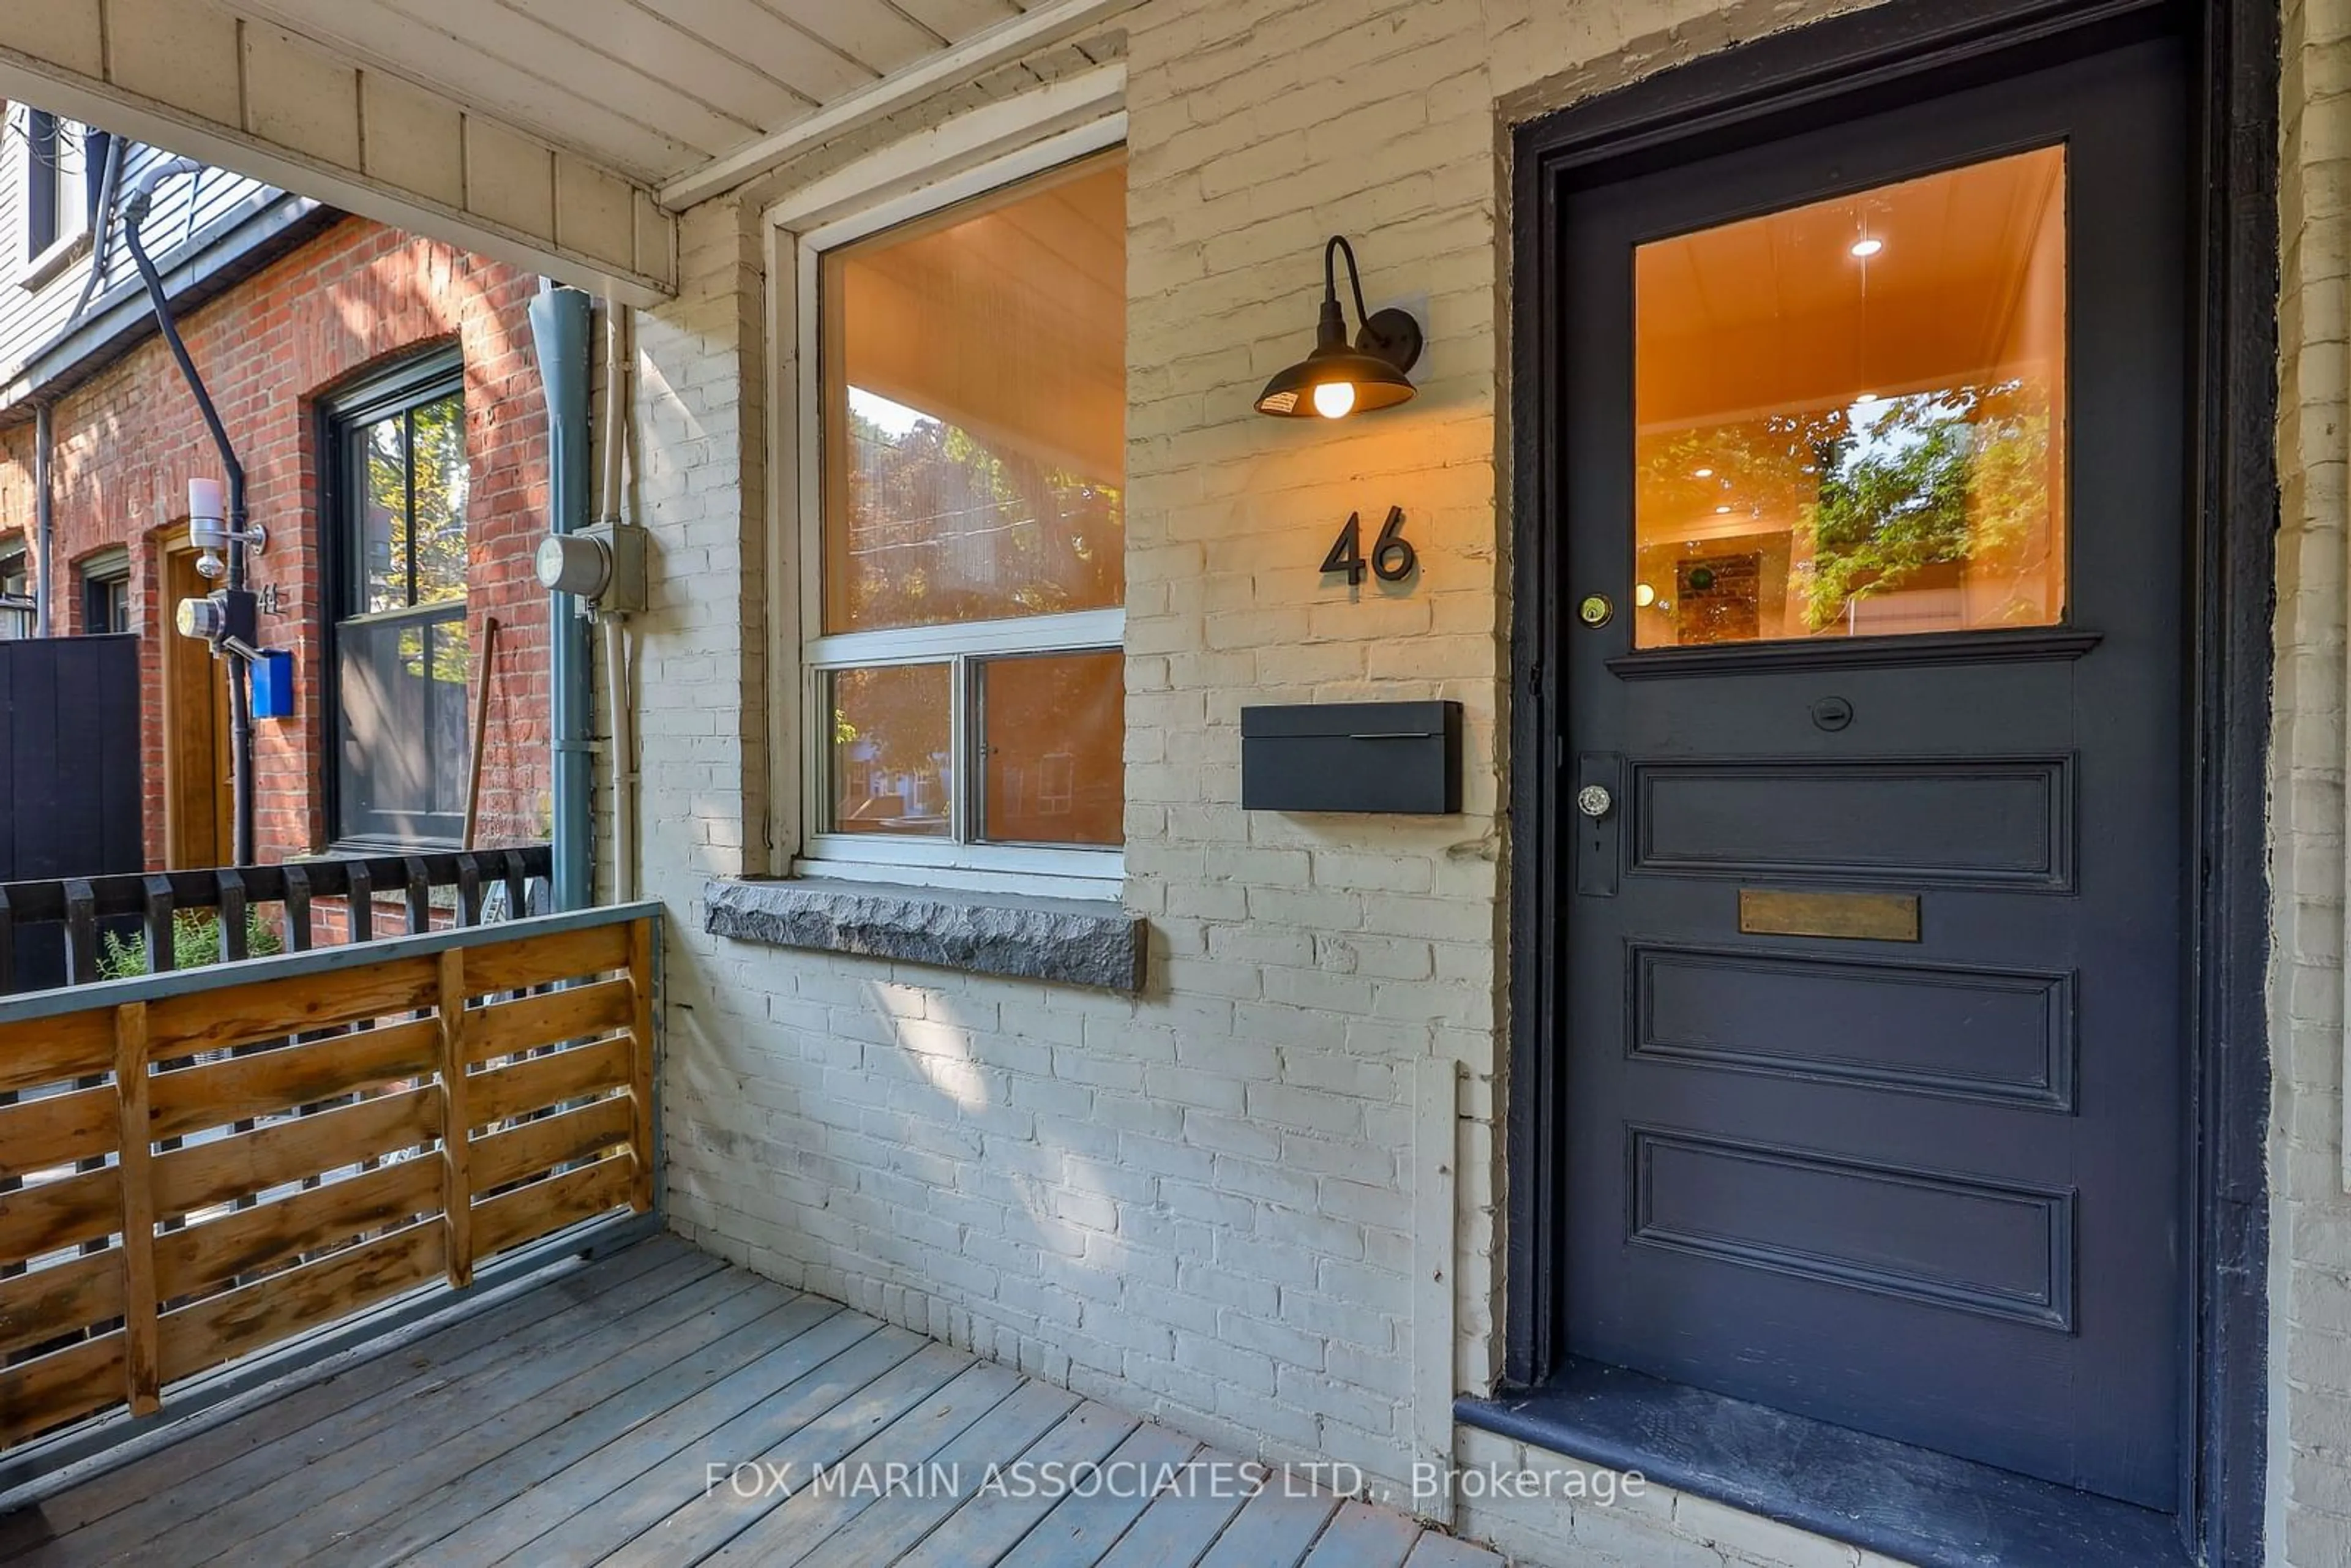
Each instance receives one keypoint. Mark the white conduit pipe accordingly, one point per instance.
(623, 727)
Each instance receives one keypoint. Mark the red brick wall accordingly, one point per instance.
(128, 442)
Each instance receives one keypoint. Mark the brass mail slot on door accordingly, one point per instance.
(1864, 917)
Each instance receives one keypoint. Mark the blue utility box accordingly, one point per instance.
(273, 686)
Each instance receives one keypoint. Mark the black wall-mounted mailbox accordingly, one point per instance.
(1352, 756)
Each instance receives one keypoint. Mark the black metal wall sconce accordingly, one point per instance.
(1337, 380)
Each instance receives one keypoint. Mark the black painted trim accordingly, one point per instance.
(1920, 1507)
(2235, 589)
(1834, 69)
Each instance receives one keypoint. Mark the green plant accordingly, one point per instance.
(195, 942)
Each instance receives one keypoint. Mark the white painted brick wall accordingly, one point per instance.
(2310, 1278)
(1195, 1202)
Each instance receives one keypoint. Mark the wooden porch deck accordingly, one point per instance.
(578, 1422)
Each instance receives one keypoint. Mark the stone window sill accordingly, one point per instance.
(39, 270)
(1068, 941)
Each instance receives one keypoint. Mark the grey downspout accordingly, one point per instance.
(558, 330)
(240, 689)
(45, 522)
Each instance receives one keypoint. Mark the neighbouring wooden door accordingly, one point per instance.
(197, 801)
(1875, 462)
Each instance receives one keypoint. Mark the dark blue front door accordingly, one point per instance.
(1876, 459)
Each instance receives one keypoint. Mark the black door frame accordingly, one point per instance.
(1825, 72)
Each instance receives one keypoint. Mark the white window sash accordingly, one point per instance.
(981, 639)
(797, 434)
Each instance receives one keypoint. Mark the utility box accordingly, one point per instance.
(1352, 756)
(273, 686)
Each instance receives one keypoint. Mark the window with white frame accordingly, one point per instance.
(17, 607)
(965, 621)
(64, 165)
(106, 592)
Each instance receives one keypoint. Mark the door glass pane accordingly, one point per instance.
(1052, 728)
(382, 449)
(406, 747)
(974, 408)
(1850, 416)
(892, 749)
(437, 452)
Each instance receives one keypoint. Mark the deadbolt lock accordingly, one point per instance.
(1595, 610)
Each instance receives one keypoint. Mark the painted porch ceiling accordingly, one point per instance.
(650, 88)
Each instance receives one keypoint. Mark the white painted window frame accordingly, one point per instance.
(36, 269)
(888, 189)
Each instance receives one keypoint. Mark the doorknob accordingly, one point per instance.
(1594, 801)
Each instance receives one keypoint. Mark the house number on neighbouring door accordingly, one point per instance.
(1393, 557)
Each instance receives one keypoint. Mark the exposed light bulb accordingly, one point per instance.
(1701, 473)
(1719, 510)
(1865, 249)
(1644, 595)
(1334, 400)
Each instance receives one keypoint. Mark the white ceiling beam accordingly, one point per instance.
(974, 57)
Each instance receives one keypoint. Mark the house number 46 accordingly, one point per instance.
(1391, 554)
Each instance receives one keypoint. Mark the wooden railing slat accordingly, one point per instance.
(578, 1133)
(205, 1254)
(44, 1303)
(264, 1010)
(50, 1390)
(227, 1168)
(143, 1375)
(457, 1188)
(48, 1050)
(221, 1327)
(502, 1028)
(545, 1080)
(543, 960)
(55, 1130)
(55, 1214)
(271, 1081)
(530, 1212)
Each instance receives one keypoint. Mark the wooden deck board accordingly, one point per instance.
(512, 1525)
(400, 1435)
(632, 1419)
(1081, 1526)
(400, 1373)
(578, 1423)
(145, 1517)
(881, 1534)
(1362, 1536)
(993, 1522)
(397, 1433)
(639, 1378)
(1178, 1526)
(792, 1530)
